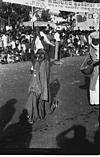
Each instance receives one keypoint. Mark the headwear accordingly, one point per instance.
(95, 35)
(94, 41)
(40, 51)
(40, 54)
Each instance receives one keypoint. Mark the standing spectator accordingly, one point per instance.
(27, 36)
(76, 42)
(57, 43)
(19, 47)
(0, 43)
(13, 44)
(94, 81)
(23, 45)
(4, 40)
(83, 39)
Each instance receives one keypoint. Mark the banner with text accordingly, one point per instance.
(60, 5)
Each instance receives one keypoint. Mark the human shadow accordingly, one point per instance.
(52, 103)
(86, 86)
(54, 88)
(97, 142)
(18, 135)
(76, 145)
(6, 113)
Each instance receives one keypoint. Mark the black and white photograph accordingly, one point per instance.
(49, 77)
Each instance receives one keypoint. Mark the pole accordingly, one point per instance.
(32, 18)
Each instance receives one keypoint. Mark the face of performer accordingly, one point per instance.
(40, 56)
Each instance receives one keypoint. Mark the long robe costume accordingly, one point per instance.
(94, 80)
(38, 92)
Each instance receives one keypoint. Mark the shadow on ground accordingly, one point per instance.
(15, 136)
(6, 113)
(54, 88)
(78, 144)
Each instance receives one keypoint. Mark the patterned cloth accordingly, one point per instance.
(43, 80)
(35, 84)
(38, 91)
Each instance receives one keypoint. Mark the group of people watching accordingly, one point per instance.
(16, 44)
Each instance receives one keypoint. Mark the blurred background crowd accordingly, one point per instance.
(16, 38)
(16, 44)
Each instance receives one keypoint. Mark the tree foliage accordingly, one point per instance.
(14, 12)
(45, 16)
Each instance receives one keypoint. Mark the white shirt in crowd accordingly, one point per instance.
(8, 28)
(27, 37)
(13, 44)
(45, 38)
(19, 47)
(4, 39)
(0, 42)
(23, 47)
(38, 44)
(57, 36)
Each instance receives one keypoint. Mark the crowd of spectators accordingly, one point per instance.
(74, 43)
(16, 44)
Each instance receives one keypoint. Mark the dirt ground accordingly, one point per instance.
(73, 126)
